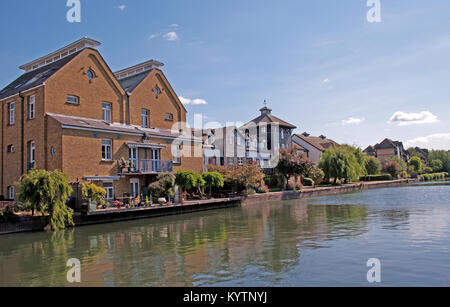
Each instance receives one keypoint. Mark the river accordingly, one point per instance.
(320, 241)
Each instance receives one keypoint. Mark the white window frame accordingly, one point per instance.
(11, 110)
(32, 107)
(10, 149)
(134, 187)
(32, 152)
(11, 192)
(176, 153)
(107, 155)
(75, 101)
(169, 117)
(109, 190)
(106, 112)
(145, 118)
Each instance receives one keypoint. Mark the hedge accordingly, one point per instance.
(433, 176)
(376, 177)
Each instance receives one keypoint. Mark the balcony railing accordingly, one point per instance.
(148, 167)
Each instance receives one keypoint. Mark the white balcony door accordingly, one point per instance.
(134, 187)
(134, 158)
(156, 157)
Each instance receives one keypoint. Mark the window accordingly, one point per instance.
(11, 192)
(109, 188)
(32, 154)
(10, 149)
(72, 99)
(169, 116)
(134, 187)
(230, 140)
(176, 153)
(145, 118)
(106, 112)
(32, 107)
(263, 129)
(11, 113)
(91, 74)
(107, 150)
(157, 91)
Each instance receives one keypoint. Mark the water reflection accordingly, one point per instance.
(254, 244)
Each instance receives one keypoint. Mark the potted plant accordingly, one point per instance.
(124, 163)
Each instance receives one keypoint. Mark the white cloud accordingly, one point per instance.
(434, 141)
(174, 25)
(170, 36)
(187, 101)
(152, 36)
(121, 7)
(325, 81)
(352, 121)
(407, 119)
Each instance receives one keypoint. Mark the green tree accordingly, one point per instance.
(163, 186)
(240, 177)
(393, 168)
(93, 192)
(372, 165)
(400, 162)
(213, 180)
(188, 180)
(442, 155)
(416, 162)
(47, 193)
(343, 162)
(293, 164)
(436, 165)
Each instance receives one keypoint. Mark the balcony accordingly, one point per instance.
(147, 167)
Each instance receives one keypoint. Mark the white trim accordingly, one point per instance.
(102, 178)
(23, 92)
(98, 130)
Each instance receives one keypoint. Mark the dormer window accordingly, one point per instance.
(91, 74)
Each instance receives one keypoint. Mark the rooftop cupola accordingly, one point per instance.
(266, 111)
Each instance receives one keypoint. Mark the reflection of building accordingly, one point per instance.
(313, 147)
(387, 149)
(69, 111)
(258, 141)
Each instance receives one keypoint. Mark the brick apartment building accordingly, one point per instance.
(69, 111)
(387, 149)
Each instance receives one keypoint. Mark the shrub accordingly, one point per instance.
(416, 162)
(434, 176)
(274, 190)
(213, 180)
(262, 190)
(251, 192)
(385, 177)
(393, 168)
(308, 182)
(94, 192)
(436, 165)
(427, 170)
(373, 166)
(271, 181)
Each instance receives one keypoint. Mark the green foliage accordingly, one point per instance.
(213, 180)
(47, 193)
(93, 192)
(428, 170)
(292, 164)
(163, 187)
(434, 176)
(400, 162)
(442, 155)
(189, 180)
(416, 162)
(372, 165)
(271, 181)
(343, 162)
(437, 165)
(393, 168)
(240, 177)
(251, 192)
(376, 177)
(273, 190)
(308, 182)
(261, 191)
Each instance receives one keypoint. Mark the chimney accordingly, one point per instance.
(306, 134)
(323, 137)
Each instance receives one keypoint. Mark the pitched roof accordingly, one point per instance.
(369, 149)
(130, 83)
(387, 143)
(317, 142)
(35, 77)
(271, 119)
(96, 124)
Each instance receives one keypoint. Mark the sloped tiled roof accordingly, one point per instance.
(387, 143)
(130, 83)
(35, 77)
(269, 118)
(318, 142)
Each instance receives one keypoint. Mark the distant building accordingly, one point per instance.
(313, 147)
(387, 149)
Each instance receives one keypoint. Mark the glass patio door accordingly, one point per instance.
(134, 159)
(156, 160)
(134, 188)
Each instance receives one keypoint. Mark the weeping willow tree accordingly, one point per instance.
(47, 193)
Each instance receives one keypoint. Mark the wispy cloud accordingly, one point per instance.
(352, 121)
(325, 81)
(152, 36)
(434, 141)
(121, 7)
(171, 36)
(195, 102)
(408, 119)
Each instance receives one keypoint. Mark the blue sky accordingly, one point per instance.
(320, 64)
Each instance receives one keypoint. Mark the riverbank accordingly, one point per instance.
(28, 223)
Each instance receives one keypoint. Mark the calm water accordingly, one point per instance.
(323, 241)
